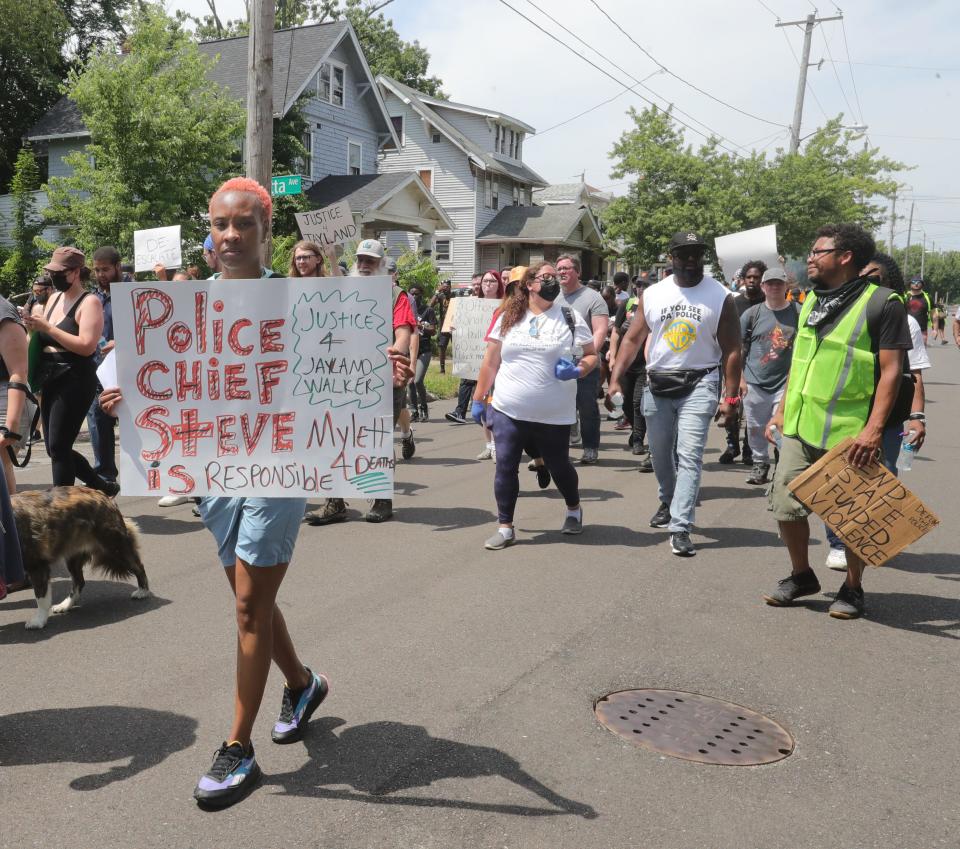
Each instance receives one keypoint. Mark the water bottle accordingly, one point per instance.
(777, 436)
(905, 460)
(617, 400)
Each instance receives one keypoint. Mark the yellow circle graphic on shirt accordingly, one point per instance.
(680, 334)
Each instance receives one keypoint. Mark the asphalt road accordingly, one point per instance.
(463, 681)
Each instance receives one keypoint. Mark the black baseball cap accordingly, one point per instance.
(686, 239)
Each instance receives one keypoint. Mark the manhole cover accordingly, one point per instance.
(694, 727)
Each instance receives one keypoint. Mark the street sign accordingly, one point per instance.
(288, 184)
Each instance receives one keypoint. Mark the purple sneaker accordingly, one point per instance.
(297, 707)
(234, 774)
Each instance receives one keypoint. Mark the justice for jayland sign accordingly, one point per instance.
(869, 509)
(332, 225)
(276, 387)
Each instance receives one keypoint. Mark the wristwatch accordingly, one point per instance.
(9, 434)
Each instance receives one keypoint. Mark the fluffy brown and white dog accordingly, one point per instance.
(75, 525)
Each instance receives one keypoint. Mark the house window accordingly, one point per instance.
(397, 121)
(442, 250)
(330, 82)
(496, 140)
(354, 158)
(513, 144)
(516, 195)
(519, 146)
(426, 175)
(305, 165)
(435, 137)
(488, 192)
(495, 202)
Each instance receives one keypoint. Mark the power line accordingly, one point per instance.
(944, 69)
(627, 73)
(853, 82)
(606, 73)
(657, 62)
(833, 66)
(765, 6)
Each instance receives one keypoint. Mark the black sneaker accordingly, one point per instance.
(455, 417)
(232, 776)
(381, 510)
(680, 544)
(728, 456)
(414, 414)
(296, 708)
(646, 464)
(543, 476)
(407, 446)
(661, 518)
(790, 589)
(848, 604)
(759, 475)
(747, 458)
(639, 448)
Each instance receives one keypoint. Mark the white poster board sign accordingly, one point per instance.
(275, 387)
(161, 244)
(735, 249)
(470, 325)
(332, 225)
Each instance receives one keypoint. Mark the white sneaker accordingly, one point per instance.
(173, 500)
(486, 454)
(493, 453)
(837, 559)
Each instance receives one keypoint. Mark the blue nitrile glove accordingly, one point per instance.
(565, 370)
(477, 409)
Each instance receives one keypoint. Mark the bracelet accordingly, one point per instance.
(917, 417)
(9, 434)
(732, 401)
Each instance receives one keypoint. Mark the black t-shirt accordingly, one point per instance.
(8, 312)
(917, 307)
(427, 316)
(622, 322)
(743, 303)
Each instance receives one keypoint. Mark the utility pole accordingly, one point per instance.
(893, 221)
(906, 253)
(258, 159)
(808, 24)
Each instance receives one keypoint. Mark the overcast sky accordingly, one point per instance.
(487, 55)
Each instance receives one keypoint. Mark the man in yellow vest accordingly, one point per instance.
(844, 378)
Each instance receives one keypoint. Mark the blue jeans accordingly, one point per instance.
(685, 420)
(890, 448)
(588, 388)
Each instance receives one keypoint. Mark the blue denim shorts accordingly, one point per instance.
(259, 531)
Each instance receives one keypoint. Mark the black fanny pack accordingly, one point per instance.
(676, 384)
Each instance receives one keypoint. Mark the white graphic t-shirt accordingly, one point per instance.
(683, 325)
(526, 387)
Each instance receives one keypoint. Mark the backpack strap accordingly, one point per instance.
(571, 321)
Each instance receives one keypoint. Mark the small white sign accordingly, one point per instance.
(473, 319)
(332, 225)
(160, 244)
(736, 249)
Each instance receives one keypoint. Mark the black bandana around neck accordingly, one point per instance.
(831, 302)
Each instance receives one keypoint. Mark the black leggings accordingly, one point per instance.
(552, 441)
(63, 407)
(633, 383)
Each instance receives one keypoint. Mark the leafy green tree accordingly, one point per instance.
(31, 69)
(415, 269)
(163, 137)
(93, 25)
(676, 187)
(21, 265)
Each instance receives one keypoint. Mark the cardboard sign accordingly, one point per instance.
(161, 244)
(273, 387)
(869, 509)
(332, 225)
(470, 329)
(450, 316)
(736, 249)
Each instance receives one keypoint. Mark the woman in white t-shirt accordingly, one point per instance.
(536, 351)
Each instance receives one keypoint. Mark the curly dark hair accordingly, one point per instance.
(758, 264)
(891, 275)
(850, 237)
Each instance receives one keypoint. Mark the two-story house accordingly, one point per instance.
(321, 68)
(472, 160)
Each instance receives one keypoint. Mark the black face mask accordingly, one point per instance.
(549, 290)
(60, 282)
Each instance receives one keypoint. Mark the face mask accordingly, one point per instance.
(60, 282)
(549, 290)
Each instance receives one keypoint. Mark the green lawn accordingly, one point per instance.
(441, 385)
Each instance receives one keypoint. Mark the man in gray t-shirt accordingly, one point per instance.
(594, 311)
(768, 329)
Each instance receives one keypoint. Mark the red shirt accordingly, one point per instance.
(402, 314)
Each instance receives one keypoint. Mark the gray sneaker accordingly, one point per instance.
(790, 589)
(759, 475)
(680, 544)
(848, 604)
(573, 524)
(498, 541)
(589, 457)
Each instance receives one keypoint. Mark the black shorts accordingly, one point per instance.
(443, 339)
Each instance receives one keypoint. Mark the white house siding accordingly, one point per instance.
(474, 127)
(452, 185)
(332, 126)
(57, 150)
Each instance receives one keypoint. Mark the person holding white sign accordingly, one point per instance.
(530, 355)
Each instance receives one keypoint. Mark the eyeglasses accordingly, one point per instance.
(545, 278)
(815, 252)
(305, 258)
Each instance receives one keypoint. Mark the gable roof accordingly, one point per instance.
(570, 193)
(435, 102)
(298, 54)
(482, 159)
(541, 224)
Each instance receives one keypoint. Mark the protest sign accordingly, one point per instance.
(161, 244)
(274, 387)
(735, 249)
(332, 225)
(450, 316)
(470, 329)
(869, 509)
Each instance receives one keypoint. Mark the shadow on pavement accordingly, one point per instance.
(167, 525)
(445, 518)
(588, 495)
(378, 759)
(94, 735)
(930, 564)
(103, 603)
(715, 493)
(923, 614)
